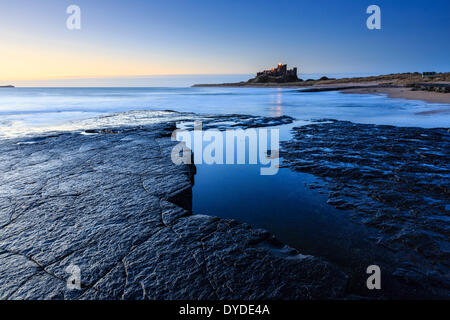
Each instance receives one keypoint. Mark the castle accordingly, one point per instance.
(278, 74)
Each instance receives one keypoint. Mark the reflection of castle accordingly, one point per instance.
(278, 74)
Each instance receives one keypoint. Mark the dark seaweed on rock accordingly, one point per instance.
(394, 179)
(113, 203)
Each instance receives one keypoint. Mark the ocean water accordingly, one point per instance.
(30, 110)
(282, 204)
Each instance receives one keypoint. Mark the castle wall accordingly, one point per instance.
(278, 74)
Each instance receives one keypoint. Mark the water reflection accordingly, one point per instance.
(277, 107)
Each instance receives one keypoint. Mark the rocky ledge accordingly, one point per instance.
(436, 87)
(394, 180)
(112, 203)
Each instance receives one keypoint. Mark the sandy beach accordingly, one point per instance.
(400, 92)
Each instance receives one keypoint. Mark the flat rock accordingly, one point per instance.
(111, 202)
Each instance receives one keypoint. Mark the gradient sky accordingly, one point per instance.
(155, 37)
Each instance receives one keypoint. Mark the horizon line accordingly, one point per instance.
(181, 74)
(123, 76)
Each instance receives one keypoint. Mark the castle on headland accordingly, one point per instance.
(278, 75)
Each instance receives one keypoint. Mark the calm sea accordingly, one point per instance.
(27, 110)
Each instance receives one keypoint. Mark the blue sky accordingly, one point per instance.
(127, 38)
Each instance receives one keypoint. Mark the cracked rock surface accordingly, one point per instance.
(394, 180)
(112, 203)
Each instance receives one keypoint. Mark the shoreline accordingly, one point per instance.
(410, 86)
(395, 92)
(404, 93)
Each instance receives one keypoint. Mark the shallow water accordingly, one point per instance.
(304, 219)
(25, 110)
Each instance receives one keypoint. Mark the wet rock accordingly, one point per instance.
(239, 121)
(112, 203)
(437, 87)
(393, 179)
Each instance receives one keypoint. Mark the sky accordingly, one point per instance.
(170, 37)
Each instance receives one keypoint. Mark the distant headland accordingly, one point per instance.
(427, 86)
(8, 86)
